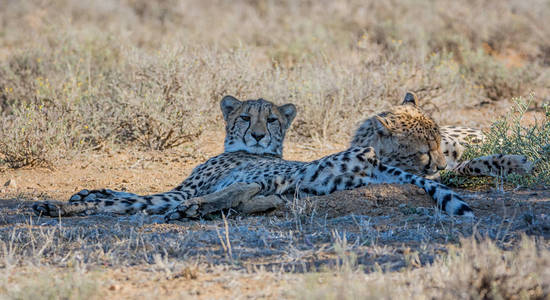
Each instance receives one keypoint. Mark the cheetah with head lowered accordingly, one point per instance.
(408, 138)
(251, 176)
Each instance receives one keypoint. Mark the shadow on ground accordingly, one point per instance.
(380, 225)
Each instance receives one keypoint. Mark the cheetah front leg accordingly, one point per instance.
(455, 138)
(239, 196)
(209, 203)
(83, 202)
(130, 204)
(494, 165)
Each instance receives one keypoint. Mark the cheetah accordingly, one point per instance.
(251, 175)
(408, 138)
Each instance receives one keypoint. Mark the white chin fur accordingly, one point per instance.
(254, 150)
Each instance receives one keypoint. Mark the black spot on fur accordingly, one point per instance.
(431, 191)
(446, 200)
(343, 168)
(356, 169)
(463, 209)
(382, 168)
(109, 203)
(315, 175)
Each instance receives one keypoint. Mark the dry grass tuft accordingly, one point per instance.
(475, 270)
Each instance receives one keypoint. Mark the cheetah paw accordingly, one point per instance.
(48, 209)
(182, 212)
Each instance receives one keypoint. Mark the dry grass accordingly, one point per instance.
(474, 270)
(76, 76)
(81, 79)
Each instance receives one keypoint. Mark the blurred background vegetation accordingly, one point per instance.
(77, 75)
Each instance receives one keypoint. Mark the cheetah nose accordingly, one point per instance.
(258, 136)
(442, 167)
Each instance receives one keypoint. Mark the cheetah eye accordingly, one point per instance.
(271, 119)
(245, 118)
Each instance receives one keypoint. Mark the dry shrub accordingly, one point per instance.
(483, 271)
(496, 80)
(150, 74)
(475, 270)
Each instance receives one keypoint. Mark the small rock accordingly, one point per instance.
(10, 184)
(114, 287)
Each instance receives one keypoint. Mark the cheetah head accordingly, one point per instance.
(404, 137)
(255, 126)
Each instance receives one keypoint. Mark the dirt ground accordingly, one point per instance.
(247, 257)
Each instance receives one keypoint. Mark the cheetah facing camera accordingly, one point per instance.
(251, 176)
(407, 138)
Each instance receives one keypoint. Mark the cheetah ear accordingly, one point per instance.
(228, 105)
(410, 98)
(289, 111)
(383, 127)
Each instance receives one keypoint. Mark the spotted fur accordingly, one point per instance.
(407, 137)
(255, 131)
(404, 137)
